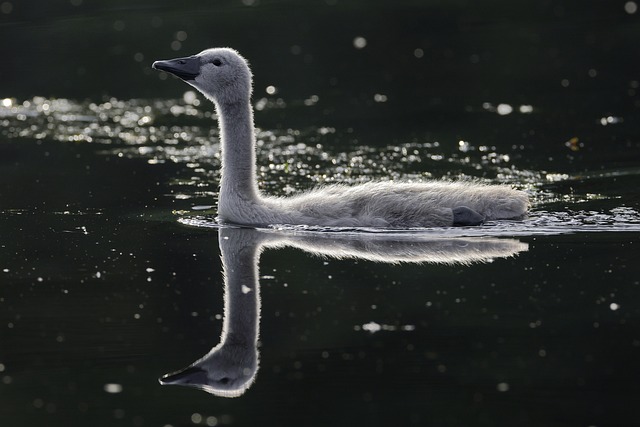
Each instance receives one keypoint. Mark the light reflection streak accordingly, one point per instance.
(297, 158)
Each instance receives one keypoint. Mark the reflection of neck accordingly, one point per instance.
(237, 139)
(242, 300)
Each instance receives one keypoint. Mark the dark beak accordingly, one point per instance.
(189, 376)
(186, 68)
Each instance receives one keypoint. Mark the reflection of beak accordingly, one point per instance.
(188, 376)
(186, 68)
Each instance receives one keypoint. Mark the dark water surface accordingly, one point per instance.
(111, 264)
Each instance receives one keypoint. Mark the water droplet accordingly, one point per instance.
(113, 388)
(6, 7)
(189, 97)
(378, 97)
(630, 7)
(371, 327)
(504, 109)
(359, 42)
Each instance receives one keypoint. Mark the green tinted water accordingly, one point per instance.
(110, 257)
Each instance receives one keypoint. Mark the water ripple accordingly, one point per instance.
(621, 219)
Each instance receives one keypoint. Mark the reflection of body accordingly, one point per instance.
(230, 367)
(224, 77)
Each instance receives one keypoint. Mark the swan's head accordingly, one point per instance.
(221, 74)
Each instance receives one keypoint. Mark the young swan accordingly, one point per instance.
(224, 77)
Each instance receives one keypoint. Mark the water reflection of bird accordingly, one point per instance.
(224, 77)
(230, 368)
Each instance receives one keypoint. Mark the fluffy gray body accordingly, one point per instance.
(224, 77)
(380, 204)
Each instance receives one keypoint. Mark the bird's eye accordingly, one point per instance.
(217, 62)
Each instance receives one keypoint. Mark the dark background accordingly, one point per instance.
(575, 62)
(518, 52)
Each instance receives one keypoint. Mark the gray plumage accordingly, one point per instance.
(224, 77)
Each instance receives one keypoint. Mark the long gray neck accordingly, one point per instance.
(237, 136)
